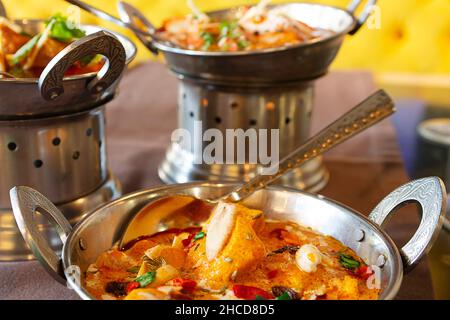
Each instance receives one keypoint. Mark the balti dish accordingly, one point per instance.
(229, 252)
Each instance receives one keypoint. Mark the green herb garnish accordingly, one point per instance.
(284, 296)
(242, 44)
(199, 235)
(208, 40)
(258, 297)
(63, 30)
(224, 29)
(348, 262)
(228, 29)
(146, 278)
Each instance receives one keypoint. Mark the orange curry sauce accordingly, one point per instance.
(257, 259)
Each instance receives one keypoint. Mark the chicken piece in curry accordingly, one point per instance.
(230, 251)
(23, 55)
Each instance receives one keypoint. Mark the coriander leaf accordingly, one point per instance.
(208, 39)
(258, 297)
(348, 262)
(284, 296)
(63, 30)
(199, 235)
(146, 279)
(242, 44)
(224, 29)
(229, 29)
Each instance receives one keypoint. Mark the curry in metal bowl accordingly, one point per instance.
(229, 251)
(245, 28)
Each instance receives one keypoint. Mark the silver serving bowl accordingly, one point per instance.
(284, 64)
(54, 94)
(101, 229)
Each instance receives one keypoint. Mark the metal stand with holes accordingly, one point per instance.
(64, 157)
(52, 135)
(286, 107)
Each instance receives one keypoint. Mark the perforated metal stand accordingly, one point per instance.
(64, 157)
(286, 107)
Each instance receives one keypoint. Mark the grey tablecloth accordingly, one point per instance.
(139, 124)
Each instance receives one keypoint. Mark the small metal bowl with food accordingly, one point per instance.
(52, 67)
(246, 44)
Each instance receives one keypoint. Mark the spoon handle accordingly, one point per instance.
(369, 112)
(108, 17)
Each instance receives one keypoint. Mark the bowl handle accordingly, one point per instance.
(136, 20)
(353, 6)
(102, 42)
(431, 195)
(25, 203)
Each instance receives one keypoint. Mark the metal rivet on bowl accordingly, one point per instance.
(381, 261)
(359, 235)
(54, 95)
(81, 244)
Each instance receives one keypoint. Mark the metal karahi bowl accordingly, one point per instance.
(284, 64)
(52, 93)
(101, 229)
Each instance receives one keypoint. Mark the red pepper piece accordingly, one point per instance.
(187, 243)
(187, 285)
(132, 285)
(364, 272)
(250, 293)
(272, 274)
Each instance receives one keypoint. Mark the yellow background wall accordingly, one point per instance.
(414, 36)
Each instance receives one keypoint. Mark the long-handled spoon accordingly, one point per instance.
(369, 112)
